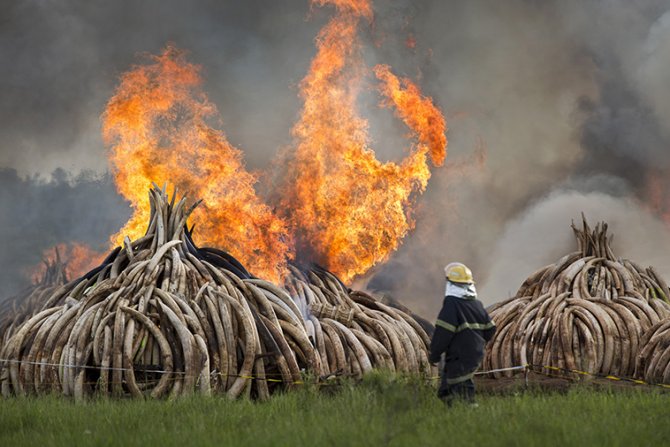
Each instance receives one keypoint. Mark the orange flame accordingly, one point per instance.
(410, 42)
(418, 112)
(77, 258)
(157, 127)
(350, 210)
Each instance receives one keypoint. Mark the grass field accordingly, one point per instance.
(380, 411)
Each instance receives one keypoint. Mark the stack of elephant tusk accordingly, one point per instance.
(587, 312)
(653, 362)
(162, 317)
(16, 310)
(354, 331)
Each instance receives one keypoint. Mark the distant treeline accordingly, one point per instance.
(38, 213)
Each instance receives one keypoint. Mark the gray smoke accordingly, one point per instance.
(554, 108)
(38, 214)
(565, 96)
(61, 62)
(540, 236)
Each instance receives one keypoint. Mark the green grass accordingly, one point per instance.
(380, 411)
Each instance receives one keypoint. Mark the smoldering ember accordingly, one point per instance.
(245, 272)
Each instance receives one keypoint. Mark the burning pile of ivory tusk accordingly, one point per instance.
(162, 317)
(15, 310)
(588, 312)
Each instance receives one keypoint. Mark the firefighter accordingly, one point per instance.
(462, 329)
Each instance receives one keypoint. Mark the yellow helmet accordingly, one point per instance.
(459, 273)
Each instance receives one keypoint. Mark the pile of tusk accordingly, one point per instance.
(16, 310)
(653, 362)
(587, 312)
(354, 331)
(161, 317)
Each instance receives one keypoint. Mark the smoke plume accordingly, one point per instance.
(38, 213)
(541, 236)
(562, 100)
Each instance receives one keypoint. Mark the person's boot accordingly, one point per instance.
(469, 395)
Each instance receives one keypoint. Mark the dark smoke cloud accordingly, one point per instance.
(38, 214)
(624, 129)
(61, 61)
(568, 100)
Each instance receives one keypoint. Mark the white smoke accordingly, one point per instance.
(542, 234)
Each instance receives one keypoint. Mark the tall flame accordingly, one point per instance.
(346, 209)
(349, 210)
(157, 126)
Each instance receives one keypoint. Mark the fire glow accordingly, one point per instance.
(78, 258)
(156, 124)
(658, 197)
(339, 205)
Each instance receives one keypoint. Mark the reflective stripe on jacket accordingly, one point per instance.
(462, 329)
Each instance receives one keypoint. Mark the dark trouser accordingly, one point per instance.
(464, 391)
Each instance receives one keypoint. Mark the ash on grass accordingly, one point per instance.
(380, 410)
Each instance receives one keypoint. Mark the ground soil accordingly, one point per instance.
(554, 383)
